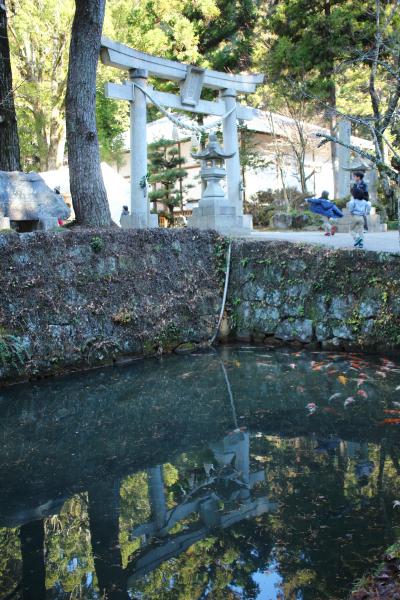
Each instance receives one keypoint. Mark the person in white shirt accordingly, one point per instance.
(359, 209)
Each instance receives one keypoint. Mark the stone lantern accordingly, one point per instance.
(214, 210)
(213, 167)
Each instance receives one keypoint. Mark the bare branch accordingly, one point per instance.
(381, 166)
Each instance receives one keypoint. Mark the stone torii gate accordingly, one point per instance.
(192, 80)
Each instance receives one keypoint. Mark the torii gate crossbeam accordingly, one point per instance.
(192, 80)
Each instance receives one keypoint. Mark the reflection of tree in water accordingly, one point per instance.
(220, 565)
(330, 525)
(335, 497)
(10, 560)
(208, 559)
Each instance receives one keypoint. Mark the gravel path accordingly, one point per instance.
(374, 242)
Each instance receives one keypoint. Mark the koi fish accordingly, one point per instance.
(389, 422)
(362, 393)
(342, 379)
(330, 410)
(348, 401)
(391, 412)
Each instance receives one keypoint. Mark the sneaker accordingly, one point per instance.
(358, 243)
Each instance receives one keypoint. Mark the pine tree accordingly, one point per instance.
(165, 171)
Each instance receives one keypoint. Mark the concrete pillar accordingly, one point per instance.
(139, 217)
(371, 178)
(344, 134)
(242, 451)
(231, 144)
(157, 499)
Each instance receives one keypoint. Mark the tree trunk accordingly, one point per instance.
(33, 564)
(88, 193)
(57, 144)
(9, 141)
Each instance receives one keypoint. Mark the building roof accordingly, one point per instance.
(265, 122)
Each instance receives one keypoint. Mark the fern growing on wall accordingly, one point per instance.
(12, 352)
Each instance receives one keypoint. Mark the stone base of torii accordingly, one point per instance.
(223, 214)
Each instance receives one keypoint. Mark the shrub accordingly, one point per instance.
(96, 244)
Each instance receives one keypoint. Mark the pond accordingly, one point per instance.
(236, 473)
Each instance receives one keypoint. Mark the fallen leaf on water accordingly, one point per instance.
(237, 363)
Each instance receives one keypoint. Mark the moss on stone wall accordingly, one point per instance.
(72, 299)
(313, 295)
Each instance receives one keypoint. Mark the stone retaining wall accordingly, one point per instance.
(75, 299)
(283, 292)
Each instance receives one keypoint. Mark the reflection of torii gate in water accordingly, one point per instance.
(192, 80)
(232, 455)
(233, 480)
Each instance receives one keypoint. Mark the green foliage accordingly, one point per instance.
(265, 203)
(220, 249)
(96, 243)
(393, 225)
(165, 169)
(12, 351)
(112, 120)
(39, 42)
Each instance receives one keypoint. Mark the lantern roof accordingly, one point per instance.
(213, 150)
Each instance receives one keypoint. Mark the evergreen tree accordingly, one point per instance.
(306, 39)
(165, 170)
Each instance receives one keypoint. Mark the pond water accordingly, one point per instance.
(232, 474)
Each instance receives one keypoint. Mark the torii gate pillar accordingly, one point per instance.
(191, 80)
(140, 216)
(233, 169)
